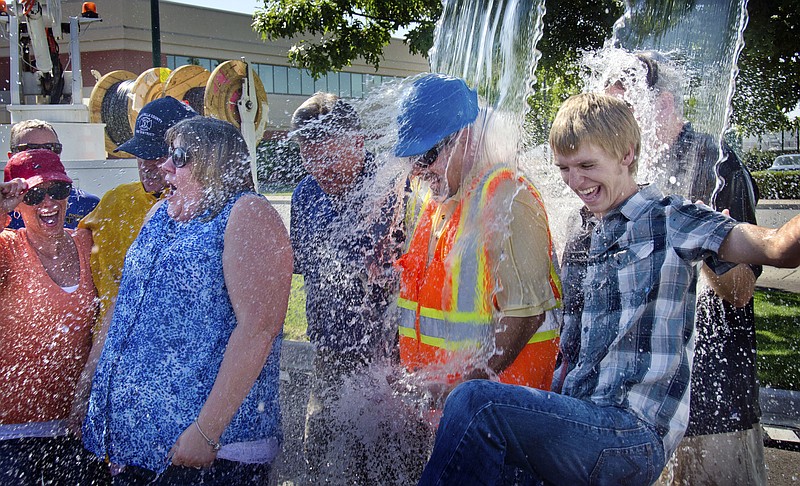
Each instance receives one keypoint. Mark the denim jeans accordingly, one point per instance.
(52, 461)
(488, 427)
(221, 472)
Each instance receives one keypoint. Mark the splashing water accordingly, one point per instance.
(381, 421)
(701, 42)
(696, 46)
(492, 45)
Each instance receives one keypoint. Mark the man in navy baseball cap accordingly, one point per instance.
(151, 125)
(116, 221)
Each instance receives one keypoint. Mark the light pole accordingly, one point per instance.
(155, 29)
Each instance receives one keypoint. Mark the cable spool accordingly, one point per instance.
(110, 103)
(224, 89)
(188, 84)
(147, 87)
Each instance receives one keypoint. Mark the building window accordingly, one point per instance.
(333, 83)
(281, 79)
(294, 81)
(321, 84)
(308, 83)
(265, 73)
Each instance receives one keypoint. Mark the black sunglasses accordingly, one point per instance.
(428, 158)
(58, 191)
(180, 156)
(54, 147)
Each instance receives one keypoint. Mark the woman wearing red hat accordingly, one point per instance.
(47, 308)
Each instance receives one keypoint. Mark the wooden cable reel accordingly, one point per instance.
(147, 87)
(224, 89)
(188, 84)
(109, 104)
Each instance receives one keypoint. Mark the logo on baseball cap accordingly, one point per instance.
(152, 124)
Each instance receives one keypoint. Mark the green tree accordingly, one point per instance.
(563, 40)
(343, 30)
(332, 34)
(768, 86)
(338, 32)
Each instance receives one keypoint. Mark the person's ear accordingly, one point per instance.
(629, 156)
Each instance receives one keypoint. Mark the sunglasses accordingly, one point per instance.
(54, 147)
(58, 191)
(428, 158)
(180, 156)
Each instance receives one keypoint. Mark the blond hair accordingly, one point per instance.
(599, 119)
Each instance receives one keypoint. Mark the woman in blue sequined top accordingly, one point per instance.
(186, 388)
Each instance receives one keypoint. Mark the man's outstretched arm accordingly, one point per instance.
(748, 243)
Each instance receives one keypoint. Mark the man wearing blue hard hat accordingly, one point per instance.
(477, 276)
(116, 220)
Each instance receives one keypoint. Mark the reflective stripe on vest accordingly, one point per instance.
(464, 311)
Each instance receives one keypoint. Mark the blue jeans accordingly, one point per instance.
(31, 461)
(221, 472)
(487, 427)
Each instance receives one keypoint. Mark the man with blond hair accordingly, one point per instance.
(724, 440)
(620, 399)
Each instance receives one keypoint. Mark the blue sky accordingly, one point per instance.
(241, 6)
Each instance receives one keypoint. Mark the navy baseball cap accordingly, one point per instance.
(437, 106)
(152, 123)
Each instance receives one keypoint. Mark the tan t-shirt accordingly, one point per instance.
(522, 254)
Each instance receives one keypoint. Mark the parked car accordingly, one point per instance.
(786, 162)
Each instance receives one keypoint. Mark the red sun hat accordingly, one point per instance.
(36, 166)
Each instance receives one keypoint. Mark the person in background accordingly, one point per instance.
(116, 220)
(477, 275)
(345, 258)
(186, 388)
(47, 308)
(620, 400)
(724, 441)
(33, 134)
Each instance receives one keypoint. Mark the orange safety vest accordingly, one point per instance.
(447, 305)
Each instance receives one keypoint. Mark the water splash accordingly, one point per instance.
(703, 40)
(492, 45)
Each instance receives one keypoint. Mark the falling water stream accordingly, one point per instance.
(384, 431)
(492, 45)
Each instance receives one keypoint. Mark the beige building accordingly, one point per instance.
(196, 35)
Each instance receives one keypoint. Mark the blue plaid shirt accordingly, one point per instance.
(629, 305)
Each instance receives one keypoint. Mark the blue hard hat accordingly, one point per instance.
(438, 106)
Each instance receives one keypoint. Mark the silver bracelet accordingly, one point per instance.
(214, 445)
